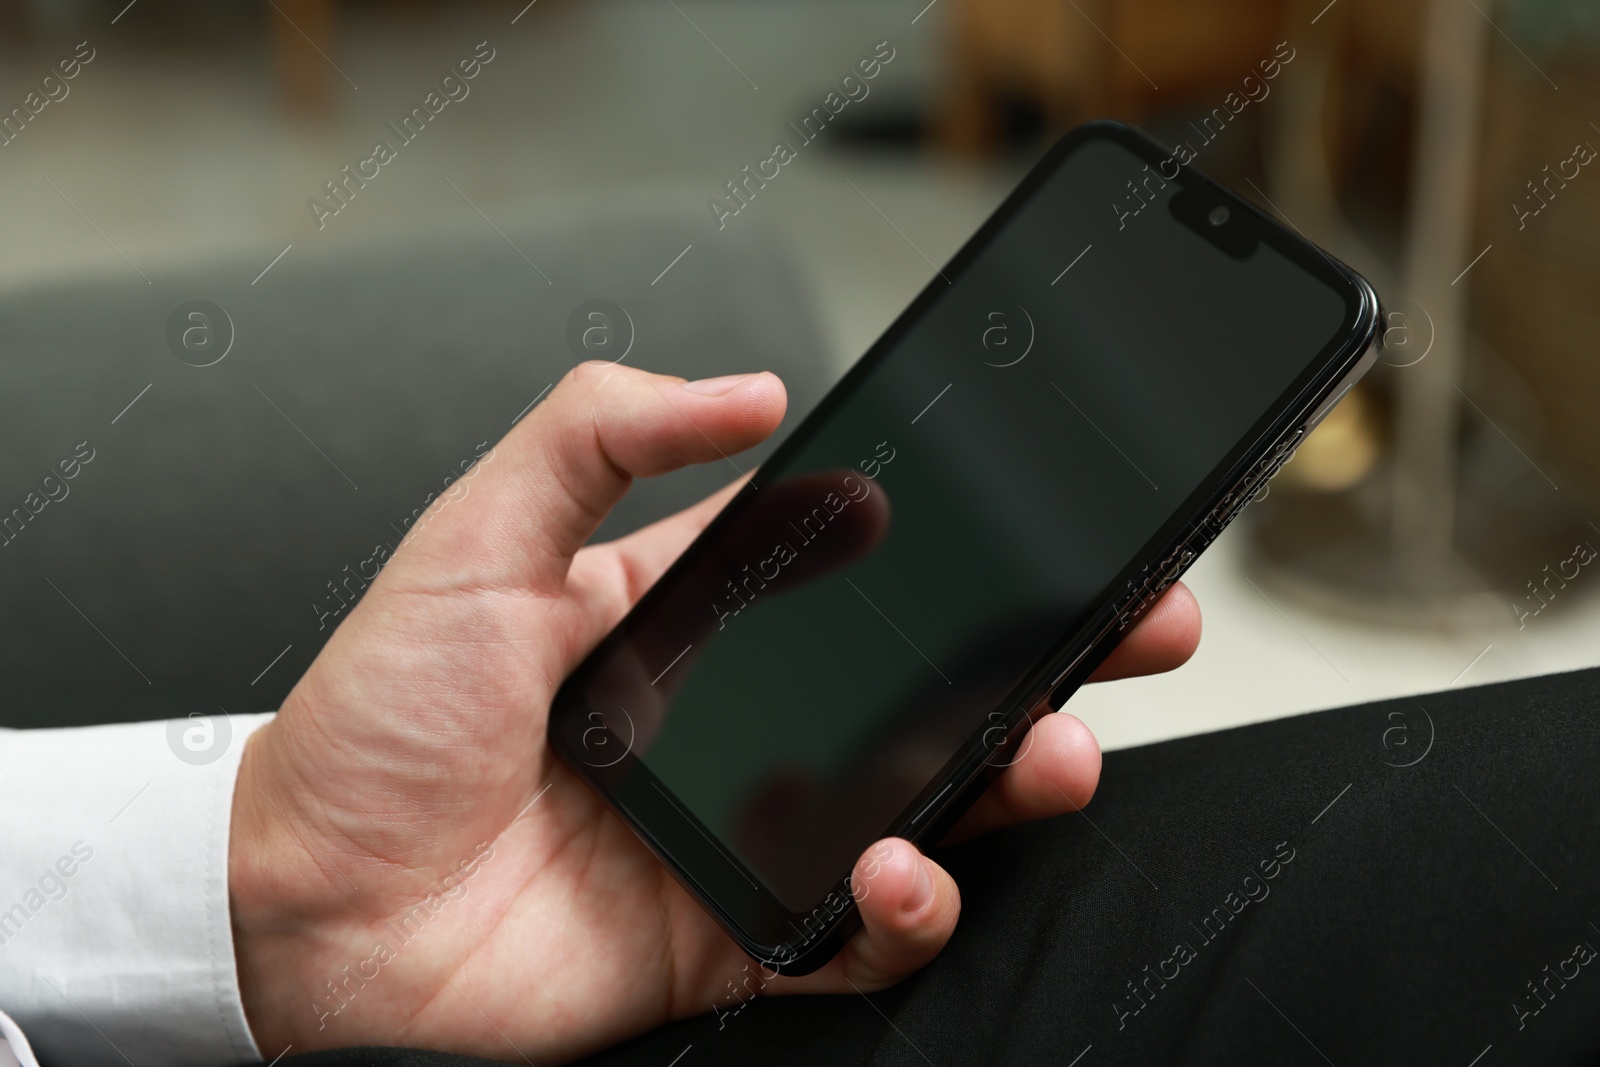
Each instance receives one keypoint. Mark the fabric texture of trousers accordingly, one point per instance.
(1410, 881)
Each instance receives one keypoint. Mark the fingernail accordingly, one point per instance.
(717, 386)
(921, 889)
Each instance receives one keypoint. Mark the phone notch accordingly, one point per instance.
(1216, 217)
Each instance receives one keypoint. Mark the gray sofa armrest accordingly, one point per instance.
(192, 548)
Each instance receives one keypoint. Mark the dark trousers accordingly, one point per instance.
(1415, 881)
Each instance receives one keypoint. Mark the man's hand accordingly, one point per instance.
(410, 863)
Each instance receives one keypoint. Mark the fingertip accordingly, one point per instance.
(884, 876)
(765, 396)
(1183, 608)
(1056, 771)
(737, 411)
(1078, 727)
(760, 392)
(1074, 766)
(1162, 640)
(1172, 625)
(909, 906)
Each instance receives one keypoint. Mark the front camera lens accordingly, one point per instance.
(1218, 216)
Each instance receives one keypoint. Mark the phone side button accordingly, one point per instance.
(921, 818)
(1068, 670)
(1327, 406)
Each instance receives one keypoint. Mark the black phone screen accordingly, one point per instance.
(952, 511)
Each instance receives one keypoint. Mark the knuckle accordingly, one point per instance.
(591, 374)
(580, 377)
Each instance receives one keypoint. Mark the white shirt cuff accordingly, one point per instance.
(116, 943)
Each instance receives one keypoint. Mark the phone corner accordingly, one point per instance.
(791, 962)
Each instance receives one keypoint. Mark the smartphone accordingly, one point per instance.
(1078, 403)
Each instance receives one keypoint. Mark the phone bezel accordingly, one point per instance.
(750, 914)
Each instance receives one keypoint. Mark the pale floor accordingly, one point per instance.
(609, 103)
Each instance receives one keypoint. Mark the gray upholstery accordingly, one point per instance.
(200, 534)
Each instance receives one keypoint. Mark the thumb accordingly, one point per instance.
(537, 496)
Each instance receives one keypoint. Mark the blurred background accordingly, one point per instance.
(361, 337)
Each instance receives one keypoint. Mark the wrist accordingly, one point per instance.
(279, 908)
(255, 920)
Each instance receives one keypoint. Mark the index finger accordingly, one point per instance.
(1161, 641)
